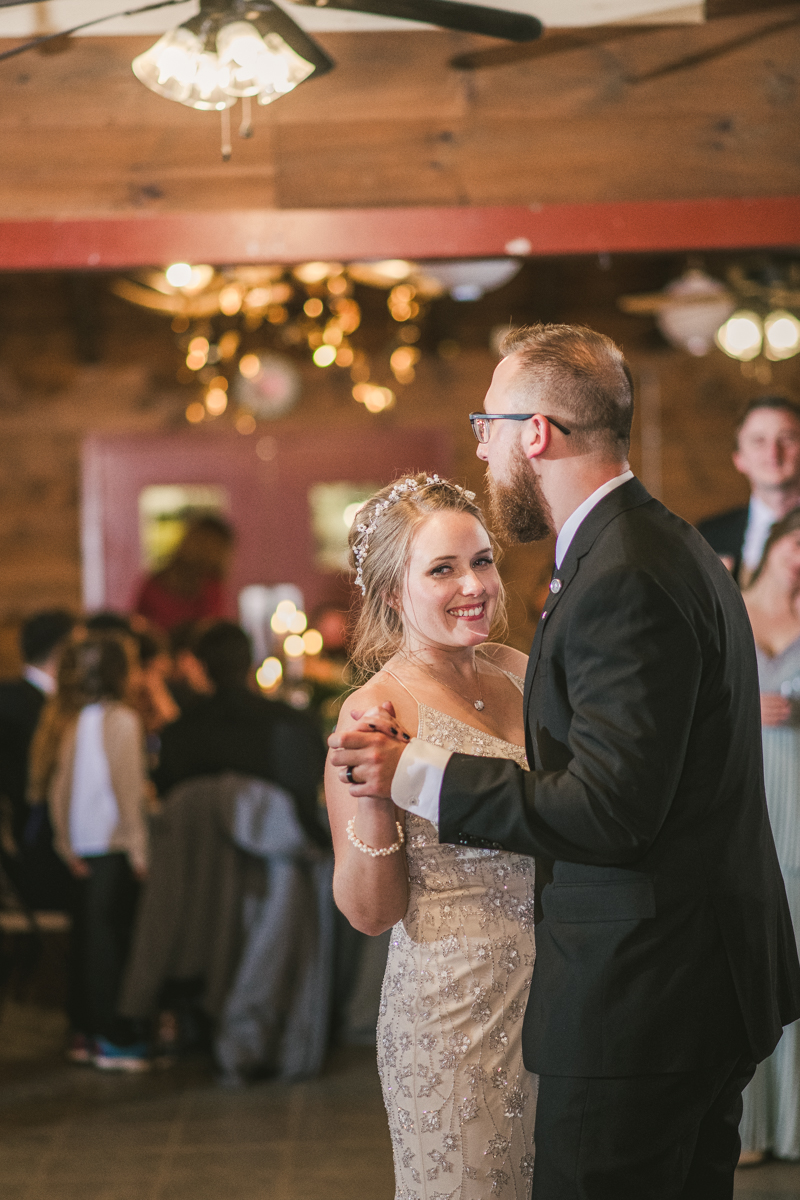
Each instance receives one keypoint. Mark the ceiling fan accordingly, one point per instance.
(557, 41)
(447, 14)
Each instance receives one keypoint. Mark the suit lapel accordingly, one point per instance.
(629, 495)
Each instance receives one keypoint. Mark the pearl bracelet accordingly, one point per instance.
(370, 850)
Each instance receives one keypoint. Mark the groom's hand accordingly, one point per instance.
(372, 750)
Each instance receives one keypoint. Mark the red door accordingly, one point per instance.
(265, 483)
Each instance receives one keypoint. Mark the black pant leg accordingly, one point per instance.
(79, 1011)
(638, 1138)
(609, 1139)
(718, 1143)
(109, 908)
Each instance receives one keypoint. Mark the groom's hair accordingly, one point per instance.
(585, 379)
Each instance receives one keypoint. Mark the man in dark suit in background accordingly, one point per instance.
(30, 861)
(665, 957)
(767, 453)
(234, 729)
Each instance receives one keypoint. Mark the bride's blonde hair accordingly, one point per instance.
(380, 546)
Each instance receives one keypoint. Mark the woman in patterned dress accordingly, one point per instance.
(460, 1103)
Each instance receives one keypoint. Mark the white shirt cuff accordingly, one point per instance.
(418, 779)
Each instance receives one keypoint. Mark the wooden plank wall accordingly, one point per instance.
(394, 125)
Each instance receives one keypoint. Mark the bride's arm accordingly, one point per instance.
(372, 892)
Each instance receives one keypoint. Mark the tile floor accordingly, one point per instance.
(68, 1133)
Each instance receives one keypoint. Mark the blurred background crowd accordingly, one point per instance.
(164, 810)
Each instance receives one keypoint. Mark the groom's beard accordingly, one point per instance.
(519, 511)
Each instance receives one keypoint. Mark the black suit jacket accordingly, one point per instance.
(21, 706)
(666, 942)
(725, 534)
(236, 730)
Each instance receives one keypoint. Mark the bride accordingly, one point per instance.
(461, 1106)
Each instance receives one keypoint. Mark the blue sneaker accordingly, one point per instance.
(131, 1059)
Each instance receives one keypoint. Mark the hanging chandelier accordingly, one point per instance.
(232, 50)
(236, 325)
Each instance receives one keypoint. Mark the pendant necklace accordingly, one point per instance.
(478, 704)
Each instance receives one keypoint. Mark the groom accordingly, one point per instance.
(666, 963)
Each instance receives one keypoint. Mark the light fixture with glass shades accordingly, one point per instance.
(753, 316)
(232, 50)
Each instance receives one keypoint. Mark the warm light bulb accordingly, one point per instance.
(216, 402)
(195, 413)
(298, 622)
(269, 674)
(278, 623)
(169, 66)
(740, 336)
(312, 641)
(230, 301)
(245, 424)
(782, 334)
(375, 399)
(293, 647)
(324, 355)
(287, 608)
(229, 343)
(179, 275)
(280, 69)
(249, 365)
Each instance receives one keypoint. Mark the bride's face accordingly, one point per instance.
(452, 585)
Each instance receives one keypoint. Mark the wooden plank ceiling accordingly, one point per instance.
(394, 125)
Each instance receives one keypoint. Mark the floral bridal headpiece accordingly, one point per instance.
(366, 530)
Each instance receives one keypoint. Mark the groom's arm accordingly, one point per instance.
(632, 667)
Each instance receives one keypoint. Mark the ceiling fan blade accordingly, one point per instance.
(715, 9)
(553, 41)
(718, 51)
(65, 33)
(467, 18)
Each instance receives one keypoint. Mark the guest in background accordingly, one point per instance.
(191, 587)
(151, 696)
(767, 453)
(771, 1120)
(27, 854)
(108, 620)
(42, 637)
(188, 681)
(235, 729)
(87, 760)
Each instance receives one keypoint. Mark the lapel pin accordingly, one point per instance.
(555, 585)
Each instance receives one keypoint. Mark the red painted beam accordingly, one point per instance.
(296, 235)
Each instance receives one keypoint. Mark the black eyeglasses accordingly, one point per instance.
(481, 427)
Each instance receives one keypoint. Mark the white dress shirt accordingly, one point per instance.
(40, 679)
(760, 520)
(417, 782)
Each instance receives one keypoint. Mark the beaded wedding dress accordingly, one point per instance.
(461, 1105)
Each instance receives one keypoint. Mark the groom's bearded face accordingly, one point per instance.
(517, 506)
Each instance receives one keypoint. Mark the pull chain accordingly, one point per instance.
(246, 127)
(225, 128)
